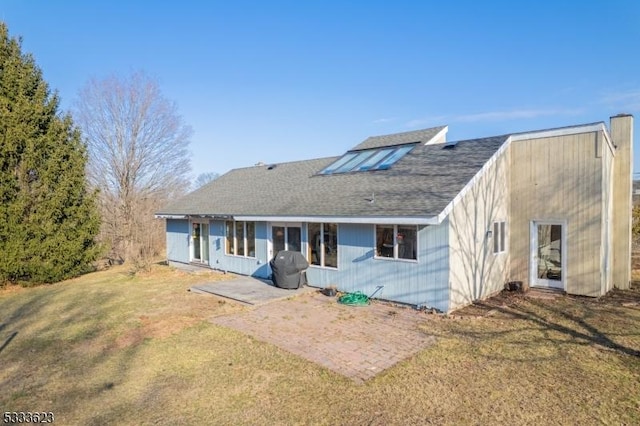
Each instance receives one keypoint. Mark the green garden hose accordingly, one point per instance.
(354, 299)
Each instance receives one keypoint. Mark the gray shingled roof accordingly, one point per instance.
(423, 136)
(421, 184)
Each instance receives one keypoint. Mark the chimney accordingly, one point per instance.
(622, 137)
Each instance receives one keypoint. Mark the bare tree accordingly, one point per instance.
(138, 158)
(204, 178)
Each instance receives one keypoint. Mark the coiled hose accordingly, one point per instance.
(354, 299)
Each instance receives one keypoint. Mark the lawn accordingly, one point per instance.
(110, 348)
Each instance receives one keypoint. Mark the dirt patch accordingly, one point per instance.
(500, 306)
(629, 297)
(507, 304)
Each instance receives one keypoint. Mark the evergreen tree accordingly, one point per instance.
(48, 219)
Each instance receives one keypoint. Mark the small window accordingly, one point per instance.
(239, 239)
(251, 239)
(397, 241)
(499, 237)
(230, 246)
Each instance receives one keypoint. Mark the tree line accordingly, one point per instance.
(80, 186)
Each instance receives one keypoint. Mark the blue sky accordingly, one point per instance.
(277, 81)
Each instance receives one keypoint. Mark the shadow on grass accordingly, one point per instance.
(56, 330)
(8, 340)
(608, 322)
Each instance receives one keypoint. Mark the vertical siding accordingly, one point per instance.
(559, 178)
(177, 240)
(240, 265)
(424, 282)
(606, 267)
(476, 272)
(622, 136)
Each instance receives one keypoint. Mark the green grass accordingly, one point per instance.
(108, 348)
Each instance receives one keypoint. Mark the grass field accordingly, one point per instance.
(109, 348)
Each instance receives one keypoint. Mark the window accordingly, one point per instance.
(397, 241)
(499, 237)
(251, 239)
(241, 238)
(286, 236)
(323, 244)
(370, 159)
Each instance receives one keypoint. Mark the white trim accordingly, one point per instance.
(565, 131)
(533, 250)
(245, 240)
(440, 137)
(421, 220)
(385, 220)
(321, 252)
(473, 181)
(286, 226)
(192, 216)
(170, 216)
(597, 127)
(539, 134)
(192, 249)
(395, 244)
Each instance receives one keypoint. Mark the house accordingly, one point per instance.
(425, 221)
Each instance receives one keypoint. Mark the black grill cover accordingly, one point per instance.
(287, 269)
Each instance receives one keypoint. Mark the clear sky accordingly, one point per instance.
(277, 81)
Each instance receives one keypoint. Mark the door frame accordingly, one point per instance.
(534, 281)
(191, 239)
(286, 225)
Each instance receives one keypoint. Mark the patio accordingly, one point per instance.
(356, 342)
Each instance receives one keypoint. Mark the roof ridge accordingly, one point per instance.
(267, 164)
(408, 132)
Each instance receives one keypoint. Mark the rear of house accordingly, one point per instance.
(419, 220)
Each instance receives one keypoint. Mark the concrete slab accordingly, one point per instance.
(248, 290)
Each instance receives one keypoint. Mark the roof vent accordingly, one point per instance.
(271, 166)
(450, 145)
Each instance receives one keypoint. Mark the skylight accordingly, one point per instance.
(391, 159)
(370, 159)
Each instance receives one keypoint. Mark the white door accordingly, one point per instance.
(548, 254)
(285, 236)
(199, 242)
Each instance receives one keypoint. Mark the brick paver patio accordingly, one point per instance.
(357, 342)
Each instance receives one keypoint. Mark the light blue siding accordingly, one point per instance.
(424, 282)
(178, 240)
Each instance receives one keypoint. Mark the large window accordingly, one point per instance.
(241, 238)
(323, 244)
(397, 241)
